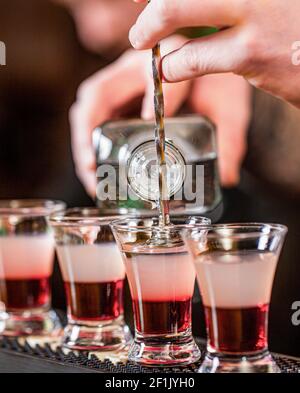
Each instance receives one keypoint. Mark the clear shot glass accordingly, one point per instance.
(93, 274)
(161, 277)
(26, 265)
(235, 266)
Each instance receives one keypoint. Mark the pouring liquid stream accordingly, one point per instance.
(160, 141)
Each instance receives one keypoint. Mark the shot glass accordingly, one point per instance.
(161, 277)
(93, 274)
(26, 265)
(235, 266)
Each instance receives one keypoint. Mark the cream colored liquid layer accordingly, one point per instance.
(236, 280)
(160, 277)
(91, 263)
(26, 257)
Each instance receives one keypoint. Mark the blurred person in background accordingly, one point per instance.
(45, 64)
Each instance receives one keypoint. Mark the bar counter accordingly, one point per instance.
(21, 356)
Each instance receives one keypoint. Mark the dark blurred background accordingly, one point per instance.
(45, 65)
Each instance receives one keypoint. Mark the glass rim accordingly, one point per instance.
(247, 230)
(76, 217)
(119, 224)
(30, 207)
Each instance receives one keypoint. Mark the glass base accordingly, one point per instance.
(90, 336)
(163, 351)
(258, 363)
(32, 323)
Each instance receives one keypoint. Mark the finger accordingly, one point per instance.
(147, 112)
(162, 17)
(115, 85)
(226, 99)
(218, 53)
(97, 100)
(232, 149)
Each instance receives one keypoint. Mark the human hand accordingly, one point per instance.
(223, 98)
(255, 40)
(104, 94)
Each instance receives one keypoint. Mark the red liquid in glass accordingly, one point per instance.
(162, 317)
(25, 294)
(95, 301)
(237, 330)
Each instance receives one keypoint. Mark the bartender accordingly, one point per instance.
(256, 42)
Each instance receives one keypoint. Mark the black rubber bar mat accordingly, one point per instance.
(23, 357)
